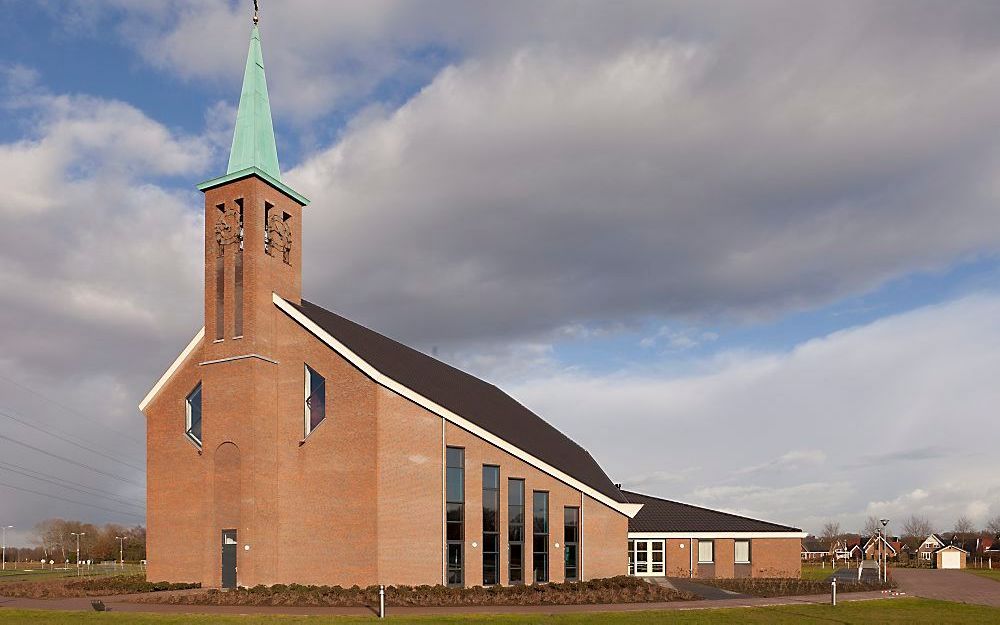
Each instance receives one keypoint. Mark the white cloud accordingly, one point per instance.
(876, 391)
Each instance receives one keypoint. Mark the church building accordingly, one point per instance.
(288, 444)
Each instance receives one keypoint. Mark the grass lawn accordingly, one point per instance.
(816, 572)
(993, 574)
(38, 575)
(902, 611)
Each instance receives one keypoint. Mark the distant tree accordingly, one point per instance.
(831, 531)
(917, 527)
(872, 526)
(993, 525)
(964, 527)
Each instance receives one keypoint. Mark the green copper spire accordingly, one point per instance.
(253, 141)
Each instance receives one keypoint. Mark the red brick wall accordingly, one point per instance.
(776, 557)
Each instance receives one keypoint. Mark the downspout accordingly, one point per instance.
(690, 558)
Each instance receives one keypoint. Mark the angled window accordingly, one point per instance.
(192, 422)
(315, 404)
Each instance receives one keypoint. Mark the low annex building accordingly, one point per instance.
(287, 443)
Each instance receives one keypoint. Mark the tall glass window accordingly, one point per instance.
(491, 525)
(192, 421)
(515, 531)
(315, 410)
(455, 514)
(540, 527)
(571, 543)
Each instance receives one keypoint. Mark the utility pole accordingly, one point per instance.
(78, 549)
(121, 550)
(5, 528)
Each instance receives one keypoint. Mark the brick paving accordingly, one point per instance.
(122, 604)
(957, 585)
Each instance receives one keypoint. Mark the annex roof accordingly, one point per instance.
(471, 399)
(663, 515)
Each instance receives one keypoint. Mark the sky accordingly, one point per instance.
(746, 253)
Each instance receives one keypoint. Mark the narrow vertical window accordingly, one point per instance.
(515, 531)
(571, 543)
(192, 424)
(220, 275)
(315, 404)
(238, 279)
(540, 535)
(491, 525)
(455, 514)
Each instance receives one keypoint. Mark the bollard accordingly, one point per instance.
(381, 601)
(833, 591)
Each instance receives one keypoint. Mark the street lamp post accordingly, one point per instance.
(121, 550)
(5, 528)
(885, 551)
(78, 535)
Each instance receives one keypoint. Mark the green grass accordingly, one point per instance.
(993, 574)
(814, 571)
(894, 611)
(39, 575)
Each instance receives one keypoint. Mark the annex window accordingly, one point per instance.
(540, 538)
(706, 551)
(571, 543)
(455, 514)
(491, 525)
(515, 531)
(315, 404)
(742, 552)
(192, 421)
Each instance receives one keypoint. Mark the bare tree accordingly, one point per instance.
(993, 525)
(831, 531)
(917, 527)
(964, 527)
(872, 526)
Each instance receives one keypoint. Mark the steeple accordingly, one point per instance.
(253, 141)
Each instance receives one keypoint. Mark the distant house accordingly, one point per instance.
(893, 547)
(814, 548)
(929, 547)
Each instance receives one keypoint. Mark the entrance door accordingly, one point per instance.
(229, 558)
(647, 557)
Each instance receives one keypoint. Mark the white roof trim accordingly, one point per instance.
(628, 509)
(177, 363)
(714, 535)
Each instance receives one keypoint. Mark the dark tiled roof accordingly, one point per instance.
(467, 396)
(661, 515)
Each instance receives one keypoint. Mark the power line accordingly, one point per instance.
(77, 413)
(61, 479)
(81, 503)
(70, 441)
(64, 459)
(56, 482)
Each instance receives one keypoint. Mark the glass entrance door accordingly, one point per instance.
(647, 557)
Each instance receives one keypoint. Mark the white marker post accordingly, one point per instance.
(833, 586)
(381, 601)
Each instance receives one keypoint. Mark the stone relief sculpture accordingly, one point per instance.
(228, 229)
(279, 236)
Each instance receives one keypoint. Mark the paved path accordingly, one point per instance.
(121, 604)
(702, 590)
(950, 585)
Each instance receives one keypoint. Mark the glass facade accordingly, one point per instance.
(491, 525)
(515, 531)
(193, 418)
(540, 535)
(455, 515)
(571, 543)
